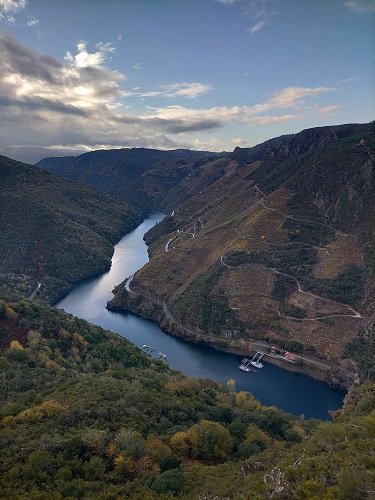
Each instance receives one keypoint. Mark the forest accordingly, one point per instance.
(86, 414)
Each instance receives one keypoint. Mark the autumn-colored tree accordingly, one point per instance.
(206, 440)
(156, 449)
(130, 443)
(231, 384)
(180, 444)
(10, 313)
(15, 344)
(34, 339)
(210, 440)
(124, 467)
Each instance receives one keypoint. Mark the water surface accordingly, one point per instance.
(293, 392)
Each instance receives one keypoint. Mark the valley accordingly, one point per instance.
(248, 260)
(54, 231)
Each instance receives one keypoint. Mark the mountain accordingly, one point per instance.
(85, 414)
(53, 230)
(271, 246)
(139, 175)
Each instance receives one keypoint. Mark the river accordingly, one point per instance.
(293, 392)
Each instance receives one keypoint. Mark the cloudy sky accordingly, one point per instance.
(204, 74)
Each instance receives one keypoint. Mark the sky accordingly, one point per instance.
(78, 75)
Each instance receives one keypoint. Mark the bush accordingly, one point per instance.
(169, 463)
(170, 481)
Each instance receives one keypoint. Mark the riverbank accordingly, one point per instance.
(143, 304)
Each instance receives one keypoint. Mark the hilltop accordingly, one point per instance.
(53, 230)
(138, 175)
(85, 414)
(271, 244)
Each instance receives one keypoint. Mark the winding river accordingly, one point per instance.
(293, 392)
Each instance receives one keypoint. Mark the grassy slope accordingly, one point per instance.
(243, 202)
(85, 414)
(54, 228)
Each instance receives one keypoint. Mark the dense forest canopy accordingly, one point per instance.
(85, 414)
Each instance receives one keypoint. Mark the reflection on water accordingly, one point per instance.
(294, 392)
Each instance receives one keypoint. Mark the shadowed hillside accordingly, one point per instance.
(139, 175)
(54, 230)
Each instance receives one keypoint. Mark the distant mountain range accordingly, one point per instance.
(137, 175)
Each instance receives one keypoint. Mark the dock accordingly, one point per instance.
(248, 364)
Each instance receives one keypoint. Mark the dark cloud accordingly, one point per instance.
(25, 61)
(39, 103)
(172, 126)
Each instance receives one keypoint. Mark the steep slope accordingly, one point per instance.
(139, 175)
(273, 243)
(85, 414)
(54, 230)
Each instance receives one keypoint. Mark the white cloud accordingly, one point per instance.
(351, 79)
(119, 37)
(238, 141)
(323, 110)
(138, 66)
(181, 89)
(33, 21)
(12, 5)
(85, 59)
(361, 6)
(80, 103)
(261, 13)
(257, 26)
(190, 90)
(9, 7)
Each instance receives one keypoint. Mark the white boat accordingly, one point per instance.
(244, 368)
(256, 360)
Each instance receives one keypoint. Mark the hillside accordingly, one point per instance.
(139, 175)
(85, 414)
(53, 230)
(272, 243)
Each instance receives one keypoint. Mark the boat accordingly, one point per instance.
(245, 366)
(162, 356)
(256, 360)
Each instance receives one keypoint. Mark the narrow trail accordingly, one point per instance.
(34, 292)
(222, 208)
(261, 202)
(355, 314)
(167, 245)
(194, 232)
(282, 243)
(291, 217)
(306, 319)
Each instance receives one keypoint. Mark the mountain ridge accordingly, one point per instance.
(135, 175)
(276, 249)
